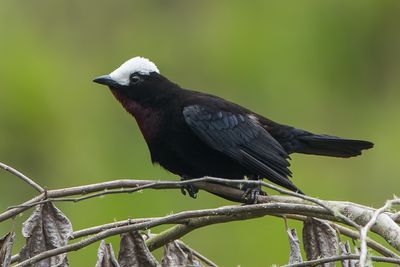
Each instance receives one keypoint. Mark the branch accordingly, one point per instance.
(340, 258)
(178, 231)
(334, 210)
(372, 221)
(296, 207)
(181, 230)
(22, 177)
(249, 210)
(158, 240)
(192, 224)
(100, 228)
(267, 208)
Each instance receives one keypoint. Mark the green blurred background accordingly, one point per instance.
(326, 66)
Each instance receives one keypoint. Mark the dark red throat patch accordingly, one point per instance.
(147, 118)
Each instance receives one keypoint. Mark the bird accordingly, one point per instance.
(194, 134)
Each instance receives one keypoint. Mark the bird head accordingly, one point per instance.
(131, 75)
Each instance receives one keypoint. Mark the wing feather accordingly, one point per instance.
(240, 137)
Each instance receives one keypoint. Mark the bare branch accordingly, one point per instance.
(178, 231)
(98, 229)
(349, 213)
(193, 224)
(367, 227)
(267, 208)
(189, 225)
(360, 214)
(340, 258)
(22, 177)
(228, 192)
(136, 185)
(298, 207)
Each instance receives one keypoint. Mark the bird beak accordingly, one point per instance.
(106, 80)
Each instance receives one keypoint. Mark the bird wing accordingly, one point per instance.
(242, 138)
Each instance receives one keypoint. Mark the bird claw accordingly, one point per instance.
(251, 193)
(189, 188)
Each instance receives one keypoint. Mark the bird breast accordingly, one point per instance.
(148, 119)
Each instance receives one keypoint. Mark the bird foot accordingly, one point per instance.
(189, 188)
(251, 193)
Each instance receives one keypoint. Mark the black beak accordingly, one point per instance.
(106, 80)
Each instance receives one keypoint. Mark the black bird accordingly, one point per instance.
(193, 134)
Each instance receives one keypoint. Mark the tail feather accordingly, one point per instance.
(332, 146)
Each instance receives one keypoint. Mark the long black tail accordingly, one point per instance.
(326, 145)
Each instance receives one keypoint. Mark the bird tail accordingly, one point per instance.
(332, 146)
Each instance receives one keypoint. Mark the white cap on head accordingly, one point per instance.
(140, 65)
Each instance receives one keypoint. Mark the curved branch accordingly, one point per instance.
(23, 177)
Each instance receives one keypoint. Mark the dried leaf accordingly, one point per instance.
(175, 256)
(194, 262)
(320, 240)
(295, 251)
(134, 252)
(6, 244)
(47, 228)
(105, 256)
(345, 251)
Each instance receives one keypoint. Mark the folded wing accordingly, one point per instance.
(240, 137)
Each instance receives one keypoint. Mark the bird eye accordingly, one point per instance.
(135, 79)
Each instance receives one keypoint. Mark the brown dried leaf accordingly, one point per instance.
(105, 256)
(295, 251)
(134, 252)
(175, 256)
(320, 240)
(6, 244)
(47, 228)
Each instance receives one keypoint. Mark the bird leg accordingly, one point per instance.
(251, 191)
(191, 189)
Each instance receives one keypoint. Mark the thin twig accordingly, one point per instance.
(100, 228)
(364, 230)
(340, 258)
(22, 177)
